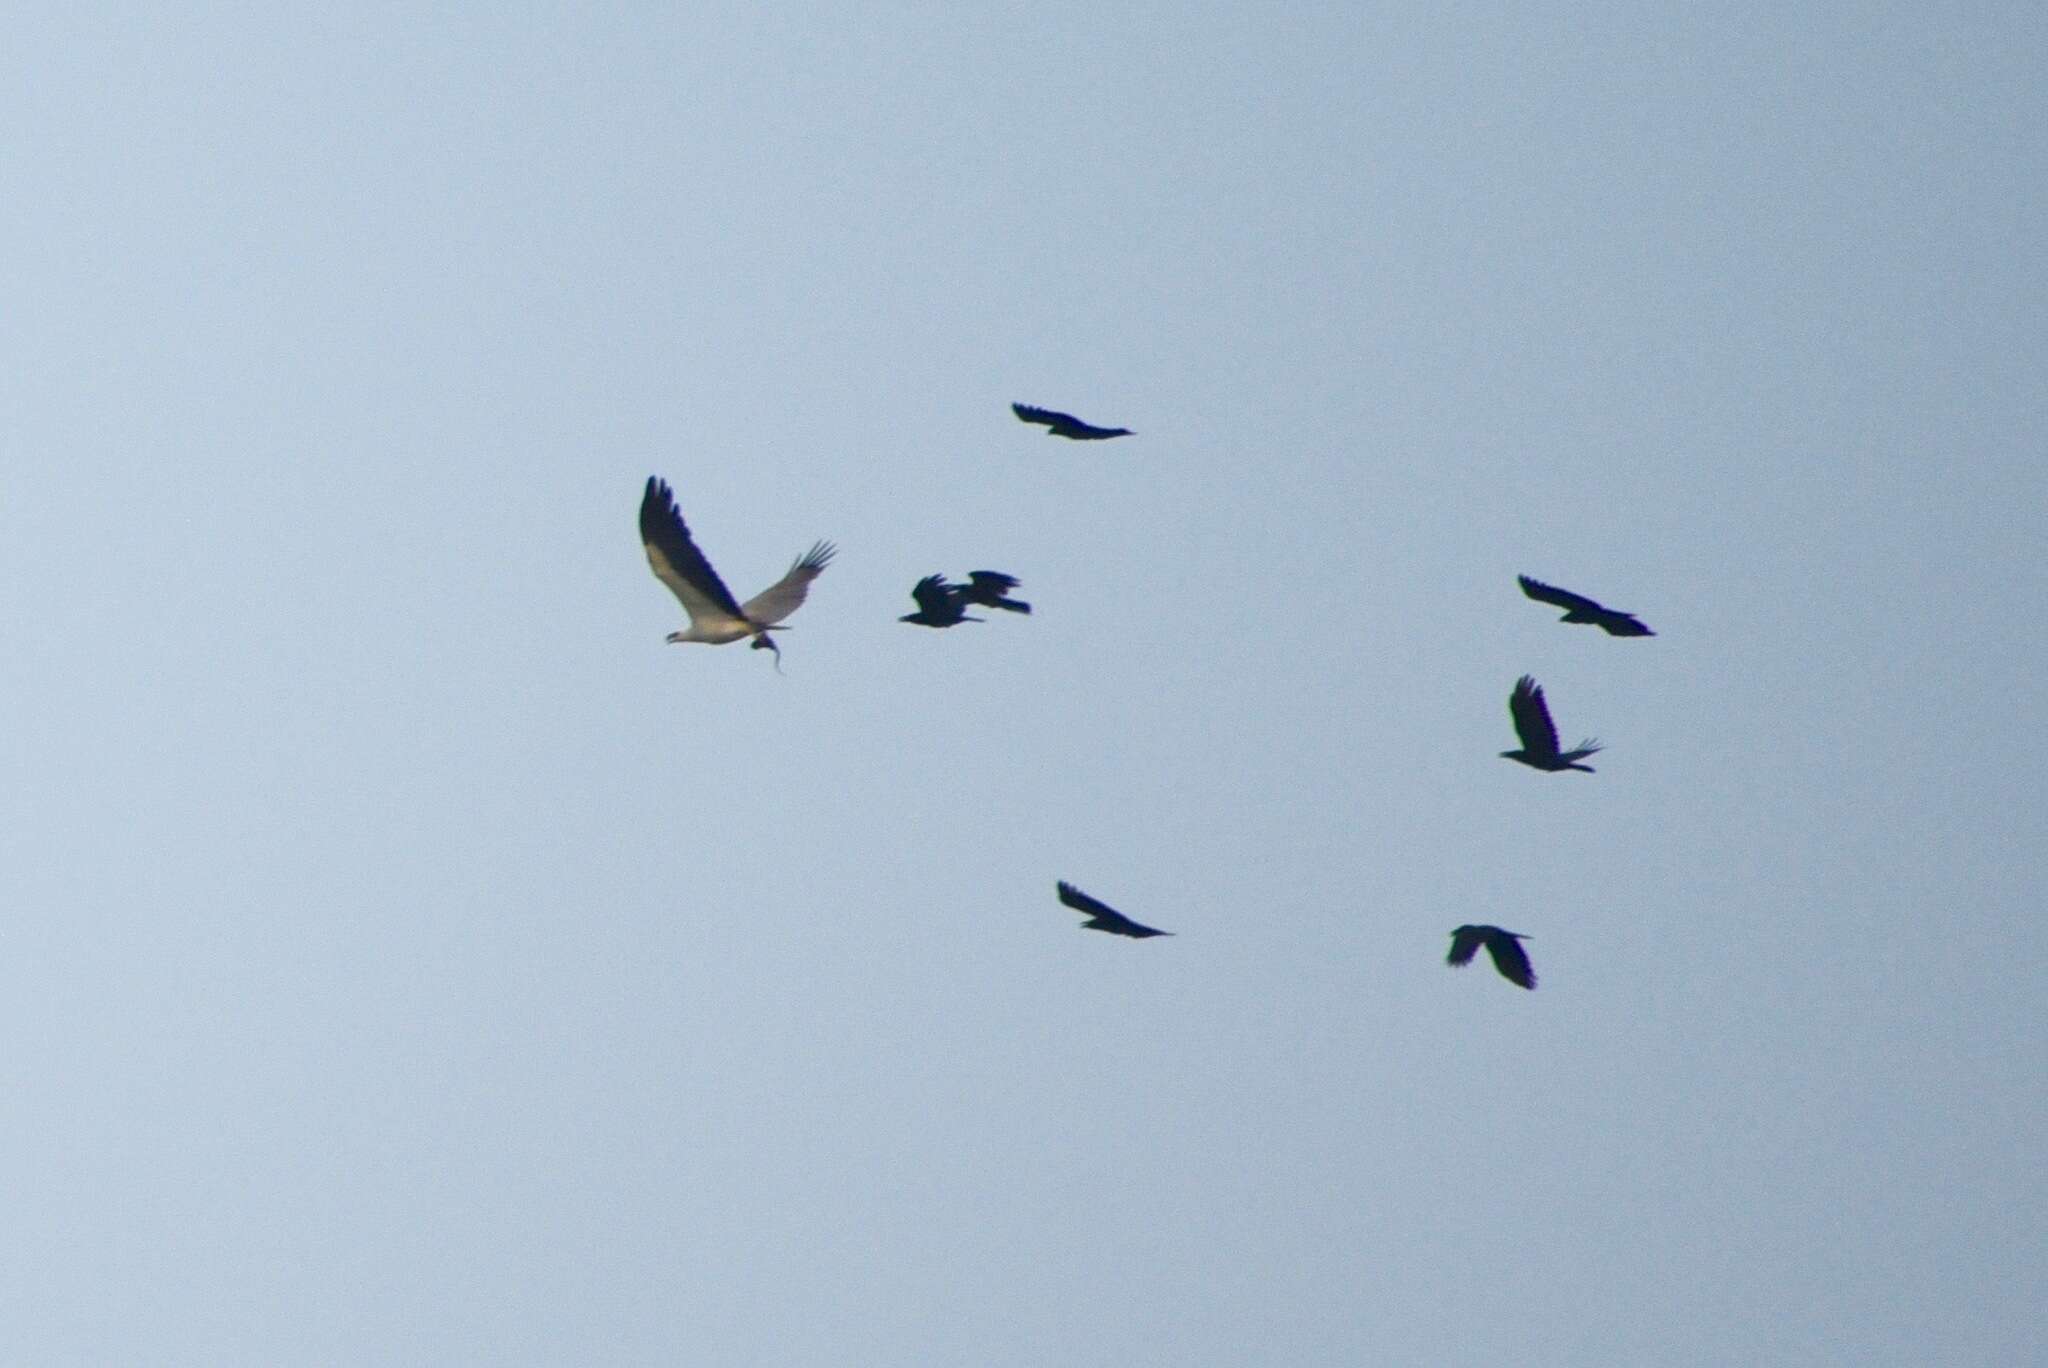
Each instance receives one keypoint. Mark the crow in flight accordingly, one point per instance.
(1504, 946)
(1579, 608)
(1103, 917)
(943, 604)
(1066, 424)
(939, 604)
(1539, 733)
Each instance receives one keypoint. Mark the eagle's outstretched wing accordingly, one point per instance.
(676, 561)
(786, 595)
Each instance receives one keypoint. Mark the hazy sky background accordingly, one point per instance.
(410, 958)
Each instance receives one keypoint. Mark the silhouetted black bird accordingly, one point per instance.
(1066, 424)
(1579, 608)
(990, 589)
(1539, 733)
(1103, 917)
(1504, 946)
(938, 603)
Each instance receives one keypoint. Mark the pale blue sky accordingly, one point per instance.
(410, 958)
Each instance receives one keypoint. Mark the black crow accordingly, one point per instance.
(1103, 917)
(938, 604)
(1578, 608)
(1066, 424)
(1504, 946)
(1539, 733)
